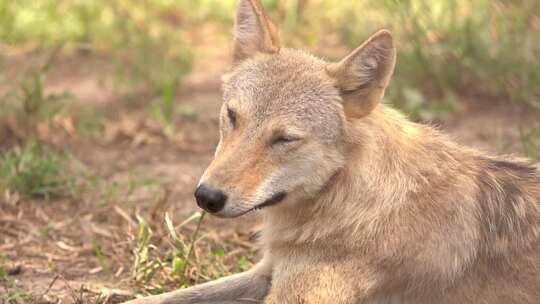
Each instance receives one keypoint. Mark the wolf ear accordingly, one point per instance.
(253, 32)
(363, 75)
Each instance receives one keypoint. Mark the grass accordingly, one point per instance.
(34, 111)
(35, 171)
(481, 48)
(3, 271)
(145, 42)
(29, 102)
(10, 294)
(527, 142)
(145, 266)
(193, 256)
(447, 48)
(530, 142)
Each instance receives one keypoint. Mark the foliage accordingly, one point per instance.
(450, 46)
(142, 38)
(35, 170)
(29, 101)
(446, 47)
(530, 142)
(144, 266)
(194, 257)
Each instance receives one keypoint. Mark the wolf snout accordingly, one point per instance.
(210, 198)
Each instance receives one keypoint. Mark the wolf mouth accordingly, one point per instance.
(273, 200)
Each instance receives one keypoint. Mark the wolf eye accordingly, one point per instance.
(232, 117)
(284, 139)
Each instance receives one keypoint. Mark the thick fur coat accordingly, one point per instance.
(361, 205)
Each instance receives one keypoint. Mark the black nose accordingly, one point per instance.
(210, 199)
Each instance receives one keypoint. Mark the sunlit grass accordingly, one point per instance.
(446, 47)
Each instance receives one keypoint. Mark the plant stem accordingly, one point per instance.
(192, 244)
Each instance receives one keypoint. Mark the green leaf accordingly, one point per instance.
(178, 266)
(218, 252)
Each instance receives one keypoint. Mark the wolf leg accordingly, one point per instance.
(247, 287)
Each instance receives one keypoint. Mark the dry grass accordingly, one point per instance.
(132, 256)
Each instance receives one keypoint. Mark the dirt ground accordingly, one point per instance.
(50, 246)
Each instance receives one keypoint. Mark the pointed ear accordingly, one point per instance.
(363, 75)
(253, 32)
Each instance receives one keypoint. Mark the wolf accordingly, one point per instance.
(361, 205)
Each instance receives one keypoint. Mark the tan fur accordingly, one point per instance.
(253, 32)
(378, 209)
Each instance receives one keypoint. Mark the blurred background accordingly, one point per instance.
(108, 116)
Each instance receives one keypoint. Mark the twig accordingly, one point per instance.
(49, 287)
(124, 215)
(160, 203)
(71, 291)
(192, 244)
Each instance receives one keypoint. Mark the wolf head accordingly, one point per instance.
(283, 122)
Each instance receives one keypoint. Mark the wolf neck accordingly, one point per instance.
(385, 162)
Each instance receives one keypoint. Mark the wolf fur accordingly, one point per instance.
(361, 205)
